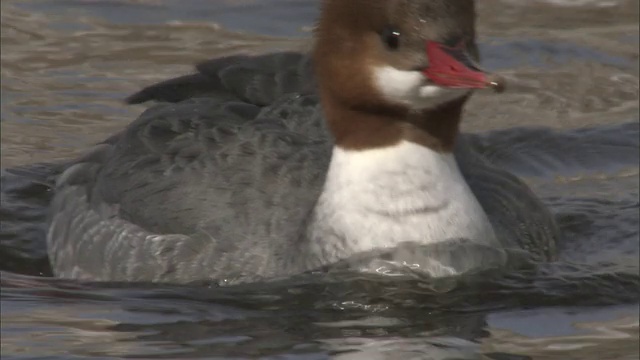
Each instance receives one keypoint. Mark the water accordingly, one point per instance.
(568, 125)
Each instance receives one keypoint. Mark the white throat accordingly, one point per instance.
(380, 198)
(409, 88)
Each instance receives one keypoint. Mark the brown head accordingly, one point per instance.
(390, 70)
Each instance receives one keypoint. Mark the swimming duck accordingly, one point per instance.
(259, 167)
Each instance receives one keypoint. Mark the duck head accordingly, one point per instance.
(397, 69)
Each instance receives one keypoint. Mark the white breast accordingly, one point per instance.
(380, 198)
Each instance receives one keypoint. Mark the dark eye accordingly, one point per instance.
(391, 37)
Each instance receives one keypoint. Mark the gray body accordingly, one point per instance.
(219, 182)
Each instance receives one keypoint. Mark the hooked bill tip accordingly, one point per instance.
(497, 84)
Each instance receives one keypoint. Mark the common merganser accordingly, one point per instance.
(258, 167)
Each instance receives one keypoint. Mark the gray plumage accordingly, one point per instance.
(218, 181)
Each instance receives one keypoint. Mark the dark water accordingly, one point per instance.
(568, 125)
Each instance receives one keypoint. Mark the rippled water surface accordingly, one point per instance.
(568, 125)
